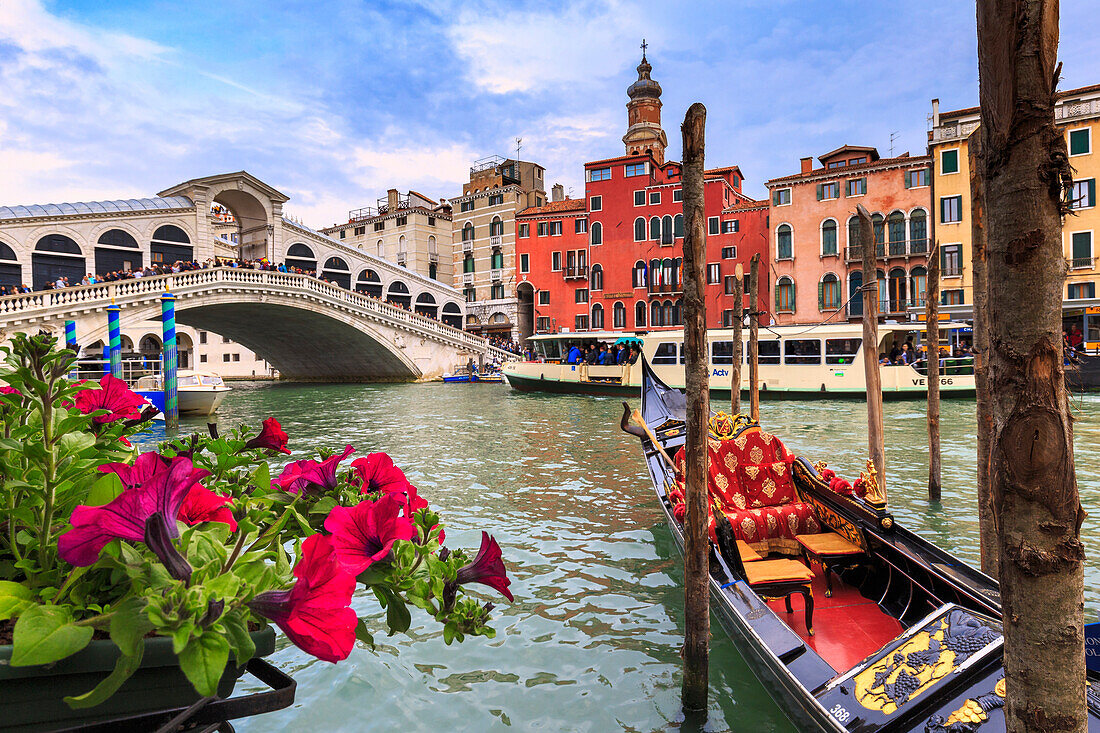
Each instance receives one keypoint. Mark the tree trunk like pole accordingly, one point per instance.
(932, 350)
(736, 358)
(754, 337)
(871, 369)
(1036, 507)
(987, 530)
(697, 545)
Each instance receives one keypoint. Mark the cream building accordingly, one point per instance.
(409, 229)
(1077, 114)
(484, 232)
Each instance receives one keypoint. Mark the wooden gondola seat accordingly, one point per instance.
(831, 551)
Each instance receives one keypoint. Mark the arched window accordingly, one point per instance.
(878, 224)
(11, 272)
(853, 238)
(918, 232)
(828, 237)
(678, 313)
(896, 227)
(654, 274)
(398, 294)
(116, 250)
(918, 283)
(655, 314)
(597, 316)
(898, 290)
(666, 230)
(639, 229)
(425, 305)
(337, 271)
(855, 298)
(402, 247)
(595, 278)
(170, 245)
(468, 232)
(596, 233)
(369, 283)
(381, 249)
(667, 270)
(496, 227)
(618, 315)
(677, 273)
(301, 256)
(639, 274)
(784, 295)
(655, 228)
(56, 257)
(828, 293)
(452, 314)
(678, 225)
(883, 293)
(784, 246)
(639, 314)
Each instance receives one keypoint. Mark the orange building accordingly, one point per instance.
(816, 261)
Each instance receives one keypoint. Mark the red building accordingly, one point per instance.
(614, 260)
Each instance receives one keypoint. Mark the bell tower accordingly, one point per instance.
(644, 115)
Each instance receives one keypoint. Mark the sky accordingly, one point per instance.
(333, 103)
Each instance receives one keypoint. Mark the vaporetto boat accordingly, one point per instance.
(796, 362)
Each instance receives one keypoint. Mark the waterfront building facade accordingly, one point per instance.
(817, 268)
(1077, 114)
(484, 237)
(612, 261)
(408, 229)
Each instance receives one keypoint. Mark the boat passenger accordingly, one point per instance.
(884, 359)
(604, 357)
(574, 355)
(591, 357)
(634, 354)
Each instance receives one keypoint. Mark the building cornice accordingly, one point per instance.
(852, 171)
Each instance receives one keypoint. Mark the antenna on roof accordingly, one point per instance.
(519, 146)
(893, 137)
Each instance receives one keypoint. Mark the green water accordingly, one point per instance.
(591, 643)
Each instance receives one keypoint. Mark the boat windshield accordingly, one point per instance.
(212, 380)
(189, 381)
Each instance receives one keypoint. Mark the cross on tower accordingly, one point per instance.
(644, 47)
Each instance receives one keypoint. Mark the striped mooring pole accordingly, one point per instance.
(168, 326)
(114, 339)
(70, 343)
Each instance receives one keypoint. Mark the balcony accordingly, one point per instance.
(953, 131)
(1081, 263)
(468, 278)
(401, 202)
(467, 246)
(888, 250)
(367, 212)
(665, 289)
(951, 270)
(496, 274)
(1078, 108)
(496, 241)
(575, 272)
(402, 258)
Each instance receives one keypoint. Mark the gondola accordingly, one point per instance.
(872, 628)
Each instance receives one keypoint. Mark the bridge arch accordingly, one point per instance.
(170, 244)
(426, 305)
(301, 256)
(369, 283)
(254, 214)
(452, 314)
(56, 255)
(337, 270)
(398, 294)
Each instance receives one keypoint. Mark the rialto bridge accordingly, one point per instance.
(360, 317)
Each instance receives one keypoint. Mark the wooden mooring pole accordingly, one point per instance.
(754, 337)
(736, 358)
(696, 545)
(875, 437)
(932, 375)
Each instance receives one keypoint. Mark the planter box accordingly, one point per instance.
(31, 698)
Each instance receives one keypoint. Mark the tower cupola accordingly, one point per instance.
(644, 133)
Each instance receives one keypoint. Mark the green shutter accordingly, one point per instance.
(776, 298)
(1078, 141)
(1092, 192)
(908, 179)
(820, 187)
(775, 198)
(821, 296)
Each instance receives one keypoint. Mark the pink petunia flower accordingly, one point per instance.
(152, 486)
(112, 395)
(365, 533)
(487, 568)
(378, 473)
(310, 475)
(203, 505)
(315, 613)
(271, 437)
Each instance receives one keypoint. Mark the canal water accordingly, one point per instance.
(591, 642)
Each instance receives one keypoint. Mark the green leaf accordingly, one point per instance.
(73, 443)
(397, 615)
(125, 667)
(14, 599)
(45, 634)
(363, 634)
(204, 660)
(241, 643)
(104, 490)
(262, 477)
(129, 625)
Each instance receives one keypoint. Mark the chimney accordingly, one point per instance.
(935, 113)
(557, 192)
(391, 199)
(807, 164)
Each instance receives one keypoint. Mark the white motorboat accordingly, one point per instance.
(198, 393)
